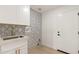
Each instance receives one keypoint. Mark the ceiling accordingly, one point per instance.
(43, 8)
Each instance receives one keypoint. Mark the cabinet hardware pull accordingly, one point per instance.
(17, 51)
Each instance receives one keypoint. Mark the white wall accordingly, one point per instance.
(65, 20)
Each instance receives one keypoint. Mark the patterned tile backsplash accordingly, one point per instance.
(10, 30)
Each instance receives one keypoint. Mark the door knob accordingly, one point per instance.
(58, 33)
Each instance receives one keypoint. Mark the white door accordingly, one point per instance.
(58, 32)
(68, 27)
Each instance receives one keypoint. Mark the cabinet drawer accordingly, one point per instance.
(9, 52)
(18, 50)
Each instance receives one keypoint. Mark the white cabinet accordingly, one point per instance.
(8, 14)
(14, 46)
(9, 52)
(17, 50)
(21, 50)
(23, 15)
(15, 15)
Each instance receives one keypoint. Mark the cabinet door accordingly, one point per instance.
(23, 15)
(8, 14)
(67, 27)
(23, 49)
(9, 52)
(15, 15)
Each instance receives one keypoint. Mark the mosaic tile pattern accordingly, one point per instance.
(35, 33)
(9, 30)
